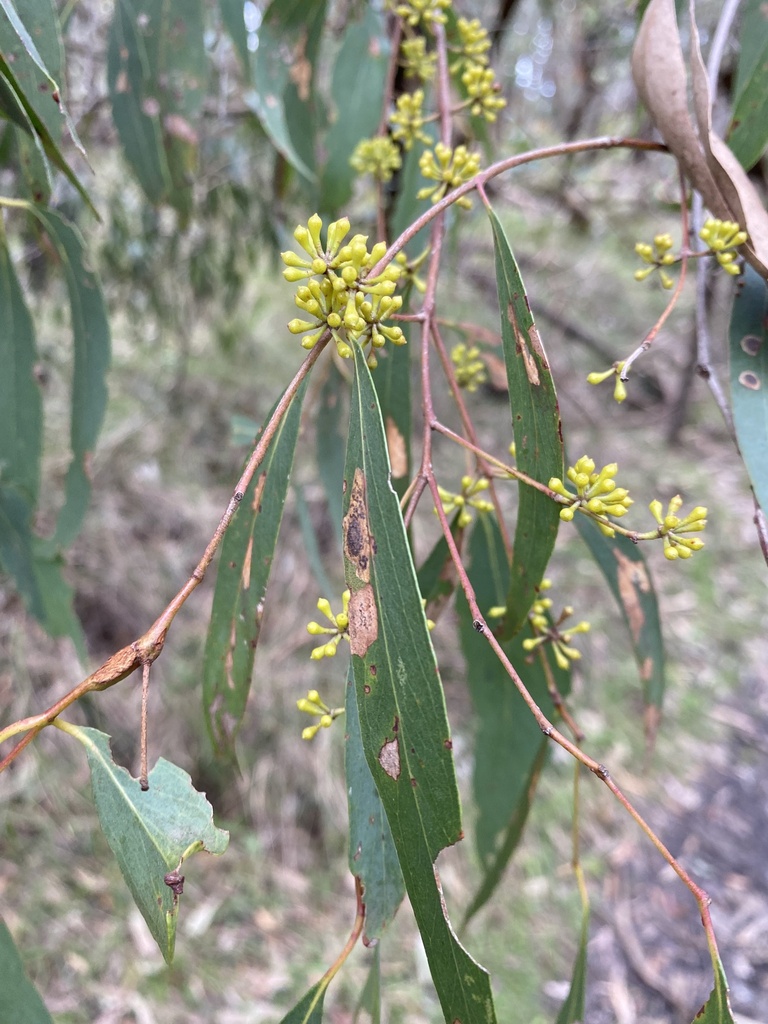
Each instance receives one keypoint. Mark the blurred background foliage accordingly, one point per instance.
(195, 197)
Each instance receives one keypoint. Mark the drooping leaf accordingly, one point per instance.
(357, 87)
(16, 554)
(624, 566)
(30, 69)
(572, 1010)
(20, 1002)
(748, 133)
(149, 832)
(749, 379)
(509, 747)
(309, 1009)
(717, 1009)
(309, 535)
(370, 997)
(36, 75)
(245, 562)
(403, 722)
(157, 72)
(59, 618)
(90, 331)
(537, 433)
(20, 401)
(329, 441)
(372, 854)
(283, 78)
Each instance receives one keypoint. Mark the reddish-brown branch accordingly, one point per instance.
(146, 649)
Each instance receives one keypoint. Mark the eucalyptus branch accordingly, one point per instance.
(144, 650)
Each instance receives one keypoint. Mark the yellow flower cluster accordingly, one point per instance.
(379, 156)
(427, 11)
(657, 256)
(450, 168)
(339, 294)
(465, 499)
(723, 238)
(596, 493)
(312, 704)
(409, 120)
(339, 627)
(468, 367)
(548, 632)
(619, 387)
(673, 529)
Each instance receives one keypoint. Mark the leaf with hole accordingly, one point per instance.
(748, 370)
(150, 831)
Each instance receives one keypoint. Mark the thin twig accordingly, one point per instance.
(148, 647)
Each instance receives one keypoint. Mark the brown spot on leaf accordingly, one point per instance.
(398, 456)
(357, 538)
(180, 128)
(366, 689)
(751, 344)
(633, 581)
(750, 380)
(389, 758)
(524, 342)
(372, 669)
(363, 620)
(646, 669)
(245, 576)
(448, 744)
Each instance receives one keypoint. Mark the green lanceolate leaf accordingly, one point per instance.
(572, 1010)
(370, 998)
(16, 554)
(537, 432)
(20, 1002)
(748, 134)
(157, 73)
(283, 79)
(437, 575)
(624, 567)
(90, 331)
(372, 854)
(749, 379)
(30, 67)
(509, 746)
(329, 440)
(309, 1009)
(717, 1009)
(245, 562)
(150, 831)
(20, 402)
(36, 75)
(357, 87)
(400, 700)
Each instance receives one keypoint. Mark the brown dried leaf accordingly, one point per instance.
(731, 179)
(660, 77)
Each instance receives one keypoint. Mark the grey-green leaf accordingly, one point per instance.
(372, 854)
(150, 831)
(357, 87)
(749, 379)
(20, 401)
(309, 1009)
(20, 1002)
(400, 700)
(537, 433)
(90, 332)
(241, 583)
(624, 566)
(283, 77)
(748, 134)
